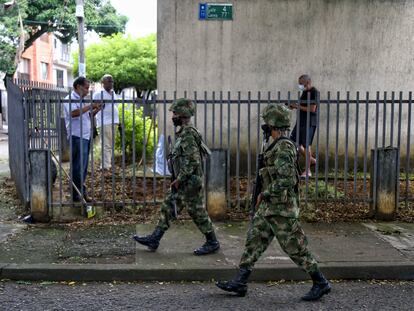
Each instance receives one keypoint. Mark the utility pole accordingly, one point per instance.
(81, 40)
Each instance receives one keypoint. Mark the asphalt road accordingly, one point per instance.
(374, 295)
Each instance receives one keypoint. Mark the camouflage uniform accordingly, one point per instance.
(278, 211)
(277, 214)
(187, 164)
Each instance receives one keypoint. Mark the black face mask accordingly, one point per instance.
(267, 131)
(177, 121)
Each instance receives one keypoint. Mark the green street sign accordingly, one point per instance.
(217, 11)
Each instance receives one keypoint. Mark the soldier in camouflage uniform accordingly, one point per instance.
(278, 210)
(187, 188)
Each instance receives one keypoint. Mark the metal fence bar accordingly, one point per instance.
(213, 121)
(154, 144)
(407, 164)
(392, 119)
(134, 150)
(205, 116)
(221, 119)
(71, 148)
(195, 107)
(336, 144)
(384, 120)
(228, 151)
(49, 158)
(376, 151)
(122, 142)
(328, 113)
(238, 152)
(59, 172)
(399, 144)
(249, 149)
(307, 147)
(144, 143)
(366, 141)
(356, 145)
(318, 109)
(92, 152)
(164, 104)
(346, 144)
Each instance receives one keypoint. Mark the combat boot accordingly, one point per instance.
(320, 287)
(238, 285)
(152, 241)
(211, 245)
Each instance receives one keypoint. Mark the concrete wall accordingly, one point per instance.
(345, 45)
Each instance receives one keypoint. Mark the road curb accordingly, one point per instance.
(131, 272)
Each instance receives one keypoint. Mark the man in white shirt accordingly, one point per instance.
(78, 126)
(107, 119)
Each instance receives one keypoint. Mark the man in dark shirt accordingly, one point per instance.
(309, 96)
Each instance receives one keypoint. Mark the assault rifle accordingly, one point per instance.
(257, 188)
(173, 177)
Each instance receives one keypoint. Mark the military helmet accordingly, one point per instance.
(277, 115)
(183, 107)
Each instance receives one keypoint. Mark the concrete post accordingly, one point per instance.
(383, 183)
(216, 184)
(38, 184)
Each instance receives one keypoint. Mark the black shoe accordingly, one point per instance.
(320, 287)
(211, 245)
(238, 285)
(152, 241)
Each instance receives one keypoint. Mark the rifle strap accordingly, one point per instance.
(204, 150)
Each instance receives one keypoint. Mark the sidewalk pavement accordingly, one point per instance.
(107, 252)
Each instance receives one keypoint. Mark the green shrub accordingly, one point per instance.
(325, 191)
(129, 116)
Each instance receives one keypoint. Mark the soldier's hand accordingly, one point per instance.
(259, 199)
(175, 184)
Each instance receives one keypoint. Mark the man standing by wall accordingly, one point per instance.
(308, 93)
(107, 119)
(78, 126)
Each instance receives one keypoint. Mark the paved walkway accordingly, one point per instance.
(345, 251)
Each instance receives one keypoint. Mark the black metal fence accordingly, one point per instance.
(349, 126)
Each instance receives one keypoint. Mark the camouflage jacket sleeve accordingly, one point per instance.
(189, 156)
(284, 174)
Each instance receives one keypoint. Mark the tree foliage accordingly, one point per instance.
(58, 16)
(131, 62)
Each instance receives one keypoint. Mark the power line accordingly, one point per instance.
(31, 22)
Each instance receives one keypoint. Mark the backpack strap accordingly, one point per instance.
(204, 150)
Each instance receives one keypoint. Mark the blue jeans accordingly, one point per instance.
(80, 161)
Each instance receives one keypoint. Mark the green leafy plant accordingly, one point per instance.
(133, 127)
(324, 191)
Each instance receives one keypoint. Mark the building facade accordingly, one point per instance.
(47, 61)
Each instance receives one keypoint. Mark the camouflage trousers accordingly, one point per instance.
(290, 236)
(193, 203)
